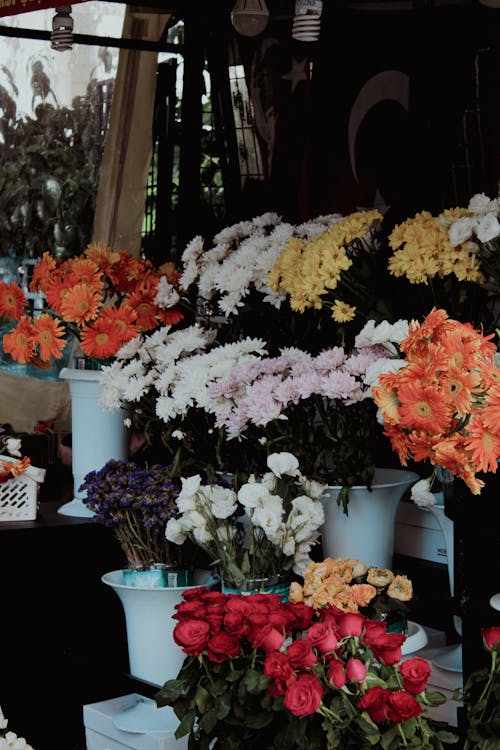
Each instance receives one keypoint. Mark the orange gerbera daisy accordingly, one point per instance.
(458, 386)
(124, 318)
(143, 303)
(426, 331)
(43, 272)
(483, 445)
(473, 483)
(422, 408)
(422, 445)
(450, 453)
(387, 400)
(49, 335)
(85, 271)
(169, 317)
(100, 339)
(491, 413)
(56, 288)
(80, 304)
(399, 441)
(12, 301)
(20, 342)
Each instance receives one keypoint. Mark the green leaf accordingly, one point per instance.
(235, 675)
(223, 706)
(208, 721)
(387, 738)
(186, 725)
(170, 692)
(202, 699)
(254, 681)
(257, 721)
(435, 698)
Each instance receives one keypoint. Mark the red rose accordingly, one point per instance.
(235, 624)
(192, 636)
(491, 637)
(301, 654)
(214, 619)
(336, 673)
(303, 696)
(194, 593)
(190, 609)
(387, 647)
(258, 619)
(355, 670)
(278, 668)
(321, 637)
(302, 614)
(266, 637)
(350, 624)
(221, 647)
(374, 629)
(213, 598)
(280, 618)
(403, 706)
(238, 604)
(329, 613)
(415, 673)
(374, 702)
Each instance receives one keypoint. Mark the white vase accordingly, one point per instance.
(97, 435)
(153, 654)
(367, 532)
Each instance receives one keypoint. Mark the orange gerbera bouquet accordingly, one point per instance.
(443, 405)
(104, 298)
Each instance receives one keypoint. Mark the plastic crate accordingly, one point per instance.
(19, 495)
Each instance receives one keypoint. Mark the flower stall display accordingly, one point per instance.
(102, 298)
(8, 739)
(442, 406)
(136, 503)
(257, 535)
(258, 670)
(351, 586)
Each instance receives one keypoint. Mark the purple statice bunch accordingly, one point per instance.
(136, 502)
(319, 407)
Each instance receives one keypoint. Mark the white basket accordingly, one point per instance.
(19, 495)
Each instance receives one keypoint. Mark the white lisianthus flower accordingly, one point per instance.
(13, 447)
(283, 463)
(225, 533)
(487, 228)
(252, 494)
(175, 532)
(269, 480)
(178, 434)
(482, 204)
(268, 518)
(309, 509)
(289, 547)
(223, 501)
(186, 503)
(462, 230)
(202, 535)
(190, 485)
(381, 366)
(421, 495)
(311, 487)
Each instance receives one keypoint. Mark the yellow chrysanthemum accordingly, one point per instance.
(342, 312)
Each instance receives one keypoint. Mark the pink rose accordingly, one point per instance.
(321, 637)
(403, 706)
(355, 670)
(303, 695)
(301, 654)
(374, 702)
(266, 637)
(415, 673)
(336, 673)
(491, 637)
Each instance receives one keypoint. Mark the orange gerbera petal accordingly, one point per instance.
(20, 342)
(12, 300)
(144, 305)
(422, 445)
(426, 331)
(124, 318)
(450, 453)
(171, 316)
(42, 273)
(422, 408)
(491, 413)
(399, 441)
(49, 335)
(458, 386)
(483, 445)
(387, 401)
(100, 340)
(80, 304)
(55, 290)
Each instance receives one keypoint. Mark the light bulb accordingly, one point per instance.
(61, 36)
(307, 20)
(250, 17)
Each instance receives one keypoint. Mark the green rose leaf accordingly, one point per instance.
(435, 698)
(169, 693)
(202, 699)
(208, 721)
(257, 721)
(387, 738)
(254, 681)
(223, 706)
(186, 725)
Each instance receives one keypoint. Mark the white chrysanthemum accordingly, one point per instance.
(166, 295)
(487, 228)
(130, 348)
(175, 532)
(461, 230)
(283, 464)
(193, 250)
(421, 494)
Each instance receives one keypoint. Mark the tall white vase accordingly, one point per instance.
(153, 654)
(97, 435)
(367, 532)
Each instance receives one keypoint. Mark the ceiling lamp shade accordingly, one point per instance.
(61, 36)
(250, 17)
